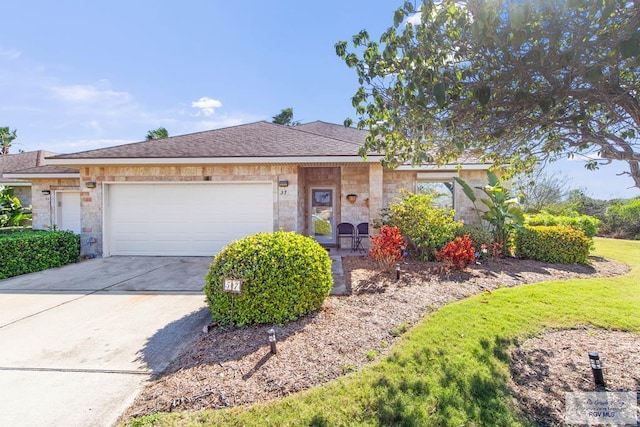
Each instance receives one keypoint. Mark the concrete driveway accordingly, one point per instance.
(77, 343)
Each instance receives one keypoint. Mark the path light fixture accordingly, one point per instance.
(397, 272)
(272, 340)
(596, 368)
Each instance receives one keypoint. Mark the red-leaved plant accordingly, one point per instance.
(458, 254)
(387, 247)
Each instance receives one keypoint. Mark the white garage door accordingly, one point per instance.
(184, 219)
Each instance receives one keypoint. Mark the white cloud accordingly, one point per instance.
(10, 53)
(89, 94)
(217, 123)
(206, 105)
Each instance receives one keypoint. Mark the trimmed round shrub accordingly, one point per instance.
(557, 244)
(284, 276)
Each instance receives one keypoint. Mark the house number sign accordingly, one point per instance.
(232, 286)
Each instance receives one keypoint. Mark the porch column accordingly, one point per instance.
(375, 192)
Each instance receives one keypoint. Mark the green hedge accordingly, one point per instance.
(425, 228)
(622, 219)
(588, 224)
(285, 275)
(27, 252)
(557, 244)
(12, 230)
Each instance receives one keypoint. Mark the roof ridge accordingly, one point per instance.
(167, 138)
(326, 136)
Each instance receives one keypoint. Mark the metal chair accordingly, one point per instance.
(362, 231)
(345, 229)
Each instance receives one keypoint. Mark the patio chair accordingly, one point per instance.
(345, 229)
(362, 231)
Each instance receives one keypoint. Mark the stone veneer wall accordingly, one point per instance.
(285, 210)
(464, 207)
(394, 182)
(355, 180)
(42, 209)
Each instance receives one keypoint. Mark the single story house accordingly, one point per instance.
(192, 194)
(15, 162)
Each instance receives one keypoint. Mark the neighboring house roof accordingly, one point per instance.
(46, 171)
(15, 162)
(253, 140)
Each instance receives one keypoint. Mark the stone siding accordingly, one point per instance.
(42, 205)
(465, 210)
(375, 187)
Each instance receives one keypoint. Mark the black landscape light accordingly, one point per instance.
(596, 368)
(272, 340)
(397, 272)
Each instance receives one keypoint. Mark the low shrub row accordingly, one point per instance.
(557, 244)
(588, 224)
(28, 252)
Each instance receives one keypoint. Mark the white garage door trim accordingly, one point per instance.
(183, 218)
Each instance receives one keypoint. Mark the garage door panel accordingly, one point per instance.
(131, 246)
(185, 219)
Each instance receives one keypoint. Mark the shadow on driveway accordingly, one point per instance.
(163, 347)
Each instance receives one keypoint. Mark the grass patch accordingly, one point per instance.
(452, 368)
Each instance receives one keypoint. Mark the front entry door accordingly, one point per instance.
(322, 221)
(68, 211)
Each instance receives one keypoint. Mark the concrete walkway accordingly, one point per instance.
(77, 343)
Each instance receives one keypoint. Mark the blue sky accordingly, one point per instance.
(78, 75)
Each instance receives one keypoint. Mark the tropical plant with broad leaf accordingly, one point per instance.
(503, 213)
(11, 210)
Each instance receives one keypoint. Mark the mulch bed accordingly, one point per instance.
(544, 368)
(233, 366)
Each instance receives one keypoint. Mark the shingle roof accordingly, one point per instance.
(15, 162)
(332, 130)
(46, 170)
(260, 139)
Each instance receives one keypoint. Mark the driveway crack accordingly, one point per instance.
(76, 370)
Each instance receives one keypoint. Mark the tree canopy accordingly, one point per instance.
(516, 83)
(6, 138)
(158, 133)
(285, 117)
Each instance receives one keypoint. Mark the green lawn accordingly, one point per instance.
(452, 368)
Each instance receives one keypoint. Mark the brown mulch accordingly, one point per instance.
(544, 368)
(233, 366)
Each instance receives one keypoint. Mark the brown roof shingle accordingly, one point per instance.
(16, 162)
(259, 139)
